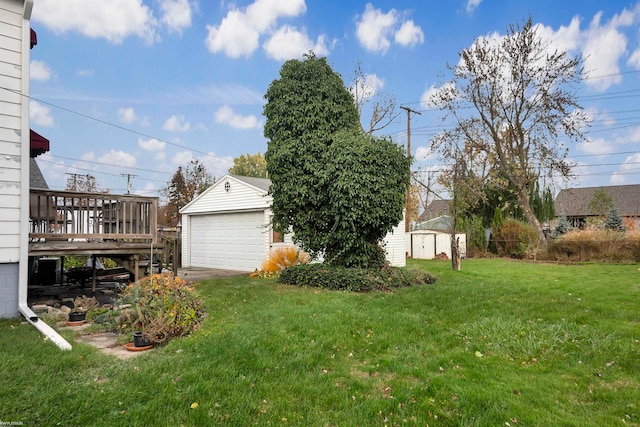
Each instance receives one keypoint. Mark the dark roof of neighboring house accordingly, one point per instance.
(575, 201)
(36, 179)
(435, 209)
(262, 183)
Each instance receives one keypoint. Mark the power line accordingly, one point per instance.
(68, 110)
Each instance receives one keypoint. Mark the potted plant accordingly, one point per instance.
(81, 305)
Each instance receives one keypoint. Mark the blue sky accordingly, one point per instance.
(143, 86)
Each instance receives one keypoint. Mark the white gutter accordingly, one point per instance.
(23, 270)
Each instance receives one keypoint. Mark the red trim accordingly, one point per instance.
(34, 39)
(39, 144)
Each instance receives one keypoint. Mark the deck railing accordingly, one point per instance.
(76, 216)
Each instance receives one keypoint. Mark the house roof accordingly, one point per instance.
(575, 201)
(435, 209)
(261, 183)
(36, 179)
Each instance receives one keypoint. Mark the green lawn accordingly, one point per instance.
(499, 343)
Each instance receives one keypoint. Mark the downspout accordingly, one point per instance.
(23, 269)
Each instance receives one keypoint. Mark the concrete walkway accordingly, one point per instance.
(106, 343)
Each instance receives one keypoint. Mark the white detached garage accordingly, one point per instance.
(228, 226)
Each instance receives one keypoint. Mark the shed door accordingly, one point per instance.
(233, 241)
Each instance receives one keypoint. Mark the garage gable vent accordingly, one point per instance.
(227, 186)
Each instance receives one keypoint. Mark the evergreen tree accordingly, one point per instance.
(614, 221)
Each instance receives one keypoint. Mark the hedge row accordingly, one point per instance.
(353, 279)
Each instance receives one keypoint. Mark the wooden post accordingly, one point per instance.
(93, 276)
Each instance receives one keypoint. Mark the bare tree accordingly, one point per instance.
(364, 89)
(464, 174)
(510, 98)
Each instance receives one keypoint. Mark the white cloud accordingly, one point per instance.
(426, 100)
(597, 146)
(151, 144)
(602, 45)
(634, 59)
(112, 20)
(39, 70)
(117, 157)
(225, 115)
(630, 165)
(176, 123)
(374, 29)
(472, 5)
(127, 115)
(40, 114)
(289, 43)
(424, 153)
(368, 87)
(182, 157)
(409, 34)
(84, 73)
(218, 166)
(239, 32)
(176, 14)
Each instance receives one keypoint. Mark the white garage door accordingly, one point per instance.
(234, 241)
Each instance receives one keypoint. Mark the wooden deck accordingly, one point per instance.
(73, 223)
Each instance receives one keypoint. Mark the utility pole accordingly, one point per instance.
(129, 176)
(406, 213)
(74, 176)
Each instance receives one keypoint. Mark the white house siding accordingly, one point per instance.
(12, 135)
(394, 245)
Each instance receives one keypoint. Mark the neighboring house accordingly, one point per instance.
(435, 209)
(574, 203)
(433, 237)
(228, 226)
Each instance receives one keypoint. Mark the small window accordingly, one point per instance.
(277, 237)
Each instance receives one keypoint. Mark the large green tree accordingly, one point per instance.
(339, 190)
(249, 165)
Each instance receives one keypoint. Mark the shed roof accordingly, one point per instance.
(575, 201)
(442, 223)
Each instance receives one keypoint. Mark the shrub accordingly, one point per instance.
(595, 245)
(563, 226)
(353, 279)
(162, 307)
(283, 257)
(515, 239)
